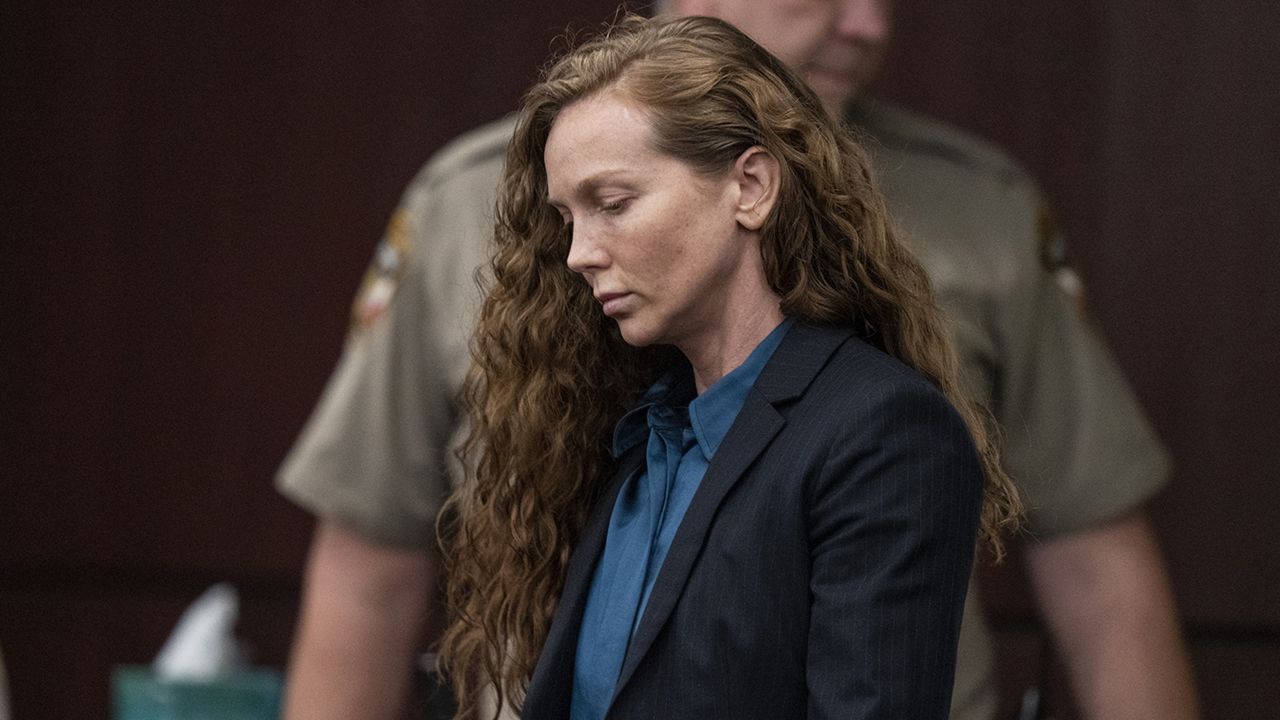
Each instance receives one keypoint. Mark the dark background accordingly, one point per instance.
(191, 191)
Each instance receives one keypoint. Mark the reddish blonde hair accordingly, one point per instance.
(552, 374)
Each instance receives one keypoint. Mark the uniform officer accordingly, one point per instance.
(374, 464)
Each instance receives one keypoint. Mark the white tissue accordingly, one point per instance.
(202, 646)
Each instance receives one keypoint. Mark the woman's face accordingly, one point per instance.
(659, 244)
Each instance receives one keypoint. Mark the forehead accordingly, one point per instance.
(600, 117)
(600, 133)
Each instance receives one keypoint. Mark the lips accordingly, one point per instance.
(612, 302)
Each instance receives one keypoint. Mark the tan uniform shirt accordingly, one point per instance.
(375, 453)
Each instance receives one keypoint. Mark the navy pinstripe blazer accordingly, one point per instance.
(820, 570)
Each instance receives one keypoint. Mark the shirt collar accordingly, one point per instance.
(712, 413)
(673, 389)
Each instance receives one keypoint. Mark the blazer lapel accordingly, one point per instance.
(793, 366)
(552, 681)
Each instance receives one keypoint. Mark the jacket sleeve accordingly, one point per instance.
(892, 520)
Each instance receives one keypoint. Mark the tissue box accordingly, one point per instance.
(137, 694)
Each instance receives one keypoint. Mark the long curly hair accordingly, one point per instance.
(551, 373)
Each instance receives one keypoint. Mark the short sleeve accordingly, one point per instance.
(376, 452)
(1076, 439)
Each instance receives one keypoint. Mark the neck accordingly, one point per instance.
(717, 353)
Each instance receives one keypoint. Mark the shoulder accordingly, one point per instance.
(971, 212)
(438, 235)
(878, 420)
(470, 162)
(938, 178)
(857, 377)
(448, 207)
(479, 147)
(892, 128)
(878, 378)
(877, 401)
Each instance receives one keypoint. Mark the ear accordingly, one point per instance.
(757, 175)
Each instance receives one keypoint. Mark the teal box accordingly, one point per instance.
(137, 694)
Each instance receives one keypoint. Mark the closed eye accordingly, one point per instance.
(613, 207)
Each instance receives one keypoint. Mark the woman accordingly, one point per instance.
(721, 466)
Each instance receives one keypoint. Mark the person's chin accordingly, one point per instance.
(636, 334)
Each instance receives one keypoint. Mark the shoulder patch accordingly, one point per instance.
(1056, 260)
(378, 287)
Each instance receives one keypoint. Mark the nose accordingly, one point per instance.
(868, 21)
(586, 253)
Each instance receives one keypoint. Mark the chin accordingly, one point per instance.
(637, 335)
(636, 340)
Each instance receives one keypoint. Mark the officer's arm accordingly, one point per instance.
(1108, 605)
(362, 613)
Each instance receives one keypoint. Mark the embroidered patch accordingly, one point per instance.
(1056, 260)
(378, 287)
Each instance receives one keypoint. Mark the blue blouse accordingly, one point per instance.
(683, 433)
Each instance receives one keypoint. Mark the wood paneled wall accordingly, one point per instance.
(191, 191)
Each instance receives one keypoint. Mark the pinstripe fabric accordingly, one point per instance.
(820, 569)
